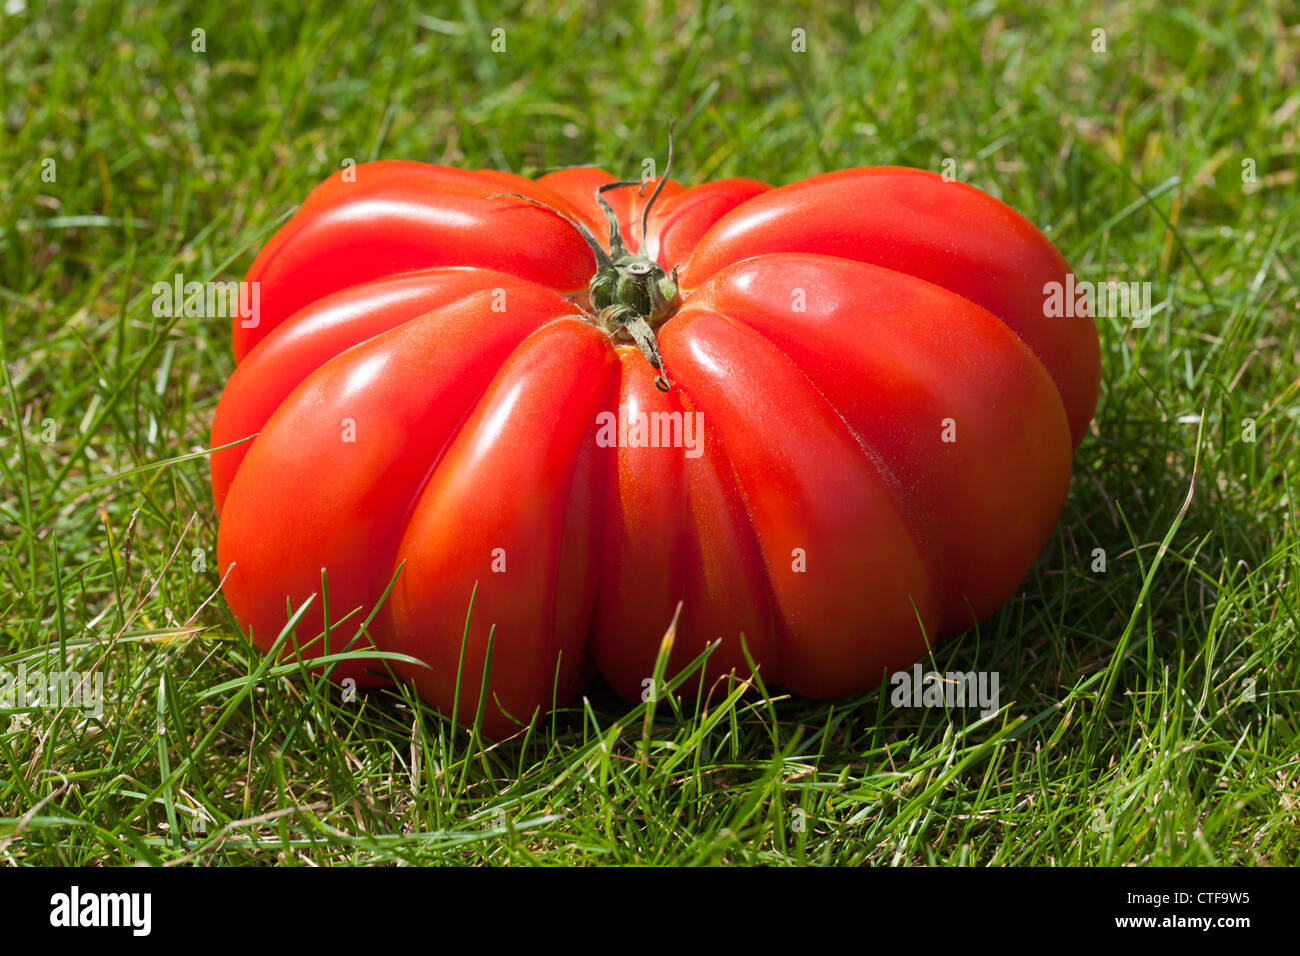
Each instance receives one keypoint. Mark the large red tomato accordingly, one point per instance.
(860, 425)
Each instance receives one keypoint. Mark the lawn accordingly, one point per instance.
(1149, 666)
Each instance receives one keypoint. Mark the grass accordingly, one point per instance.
(1151, 712)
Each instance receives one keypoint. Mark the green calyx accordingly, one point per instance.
(634, 287)
(632, 294)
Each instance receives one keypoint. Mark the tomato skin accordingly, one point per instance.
(813, 495)
(399, 217)
(503, 494)
(868, 342)
(679, 222)
(313, 493)
(885, 427)
(947, 233)
(318, 332)
(675, 529)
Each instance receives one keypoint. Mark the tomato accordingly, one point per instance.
(830, 420)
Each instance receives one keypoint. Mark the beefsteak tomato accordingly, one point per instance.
(828, 418)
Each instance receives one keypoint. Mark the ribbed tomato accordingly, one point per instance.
(829, 417)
